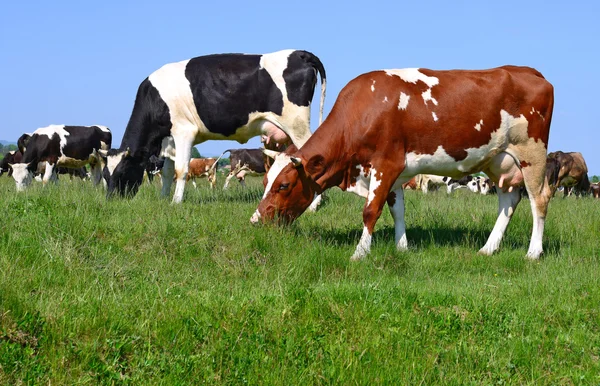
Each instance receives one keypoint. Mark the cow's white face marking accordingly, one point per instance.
(413, 75)
(435, 118)
(427, 97)
(478, 125)
(403, 103)
(373, 87)
(281, 161)
(22, 176)
(49, 131)
(112, 161)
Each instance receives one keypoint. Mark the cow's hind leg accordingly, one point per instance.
(539, 193)
(507, 203)
(183, 147)
(395, 202)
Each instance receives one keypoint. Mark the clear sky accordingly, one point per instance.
(80, 62)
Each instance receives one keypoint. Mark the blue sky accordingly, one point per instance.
(80, 63)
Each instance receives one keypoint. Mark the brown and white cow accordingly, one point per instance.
(387, 126)
(595, 189)
(568, 170)
(202, 167)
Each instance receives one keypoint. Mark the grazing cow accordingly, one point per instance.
(214, 97)
(201, 167)
(245, 162)
(429, 182)
(62, 146)
(568, 170)
(154, 166)
(12, 157)
(469, 182)
(411, 184)
(387, 126)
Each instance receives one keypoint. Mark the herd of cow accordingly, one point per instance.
(388, 130)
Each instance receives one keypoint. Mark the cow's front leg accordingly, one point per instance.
(376, 199)
(395, 202)
(49, 174)
(183, 148)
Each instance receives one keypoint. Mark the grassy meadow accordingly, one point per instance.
(144, 292)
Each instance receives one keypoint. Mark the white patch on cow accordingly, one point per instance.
(442, 164)
(112, 161)
(280, 162)
(435, 118)
(385, 99)
(373, 87)
(22, 176)
(103, 128)
(427, 97)
(49, 131)
(478, 125)
(403, 102)
(413, 75)
(12, 152)
(361, 183)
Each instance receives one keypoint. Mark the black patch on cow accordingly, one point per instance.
(301, 77)
(22, 142)
(9, 158)
(126, 178)
(228, 87)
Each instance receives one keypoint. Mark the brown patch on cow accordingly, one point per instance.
(524, 164)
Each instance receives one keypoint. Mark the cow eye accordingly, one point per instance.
(284, 186)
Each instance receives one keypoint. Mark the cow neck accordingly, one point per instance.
(328, 142)
(141, 145)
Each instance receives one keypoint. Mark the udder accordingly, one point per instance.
(505, 172)
(270, 132)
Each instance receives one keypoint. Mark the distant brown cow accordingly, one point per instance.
(411, 184)
(201, 167)
(568, 170)
(595, 189)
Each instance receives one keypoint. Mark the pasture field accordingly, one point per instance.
(143, 292)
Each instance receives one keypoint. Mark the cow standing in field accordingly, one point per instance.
(202, 167)
(387, 126)
(245, 162)
(214, 97)
(595, 189)
(568, 170)
(62, 146)
(12, 157)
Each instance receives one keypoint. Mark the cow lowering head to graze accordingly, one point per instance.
(387, 126)
(154, 166)
(203, 167)
(214, 97)
(12, 157)
(568, 170)
(63, 146)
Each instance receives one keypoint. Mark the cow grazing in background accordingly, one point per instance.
(568, 170)
(245, 162)
(411, 184)
(595, 189)
(12, 157)
(62, 146)
(214, 97)
(202, 167)
(387, 126)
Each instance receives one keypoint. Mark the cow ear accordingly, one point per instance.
(297, 161)
(315, 166)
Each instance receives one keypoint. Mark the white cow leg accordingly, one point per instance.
(229, 177)
(49, 175)
(166, 178)
(183, 154)
(194, 183)
(396, 205)
(315, 204)
(507, 203)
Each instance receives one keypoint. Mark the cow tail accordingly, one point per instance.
(214, 166)
(317, 65)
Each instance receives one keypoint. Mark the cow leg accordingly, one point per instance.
(229, 177)
(507, 203)
(183, 146)
(315, 204)
(395, 201)
(49, 174)
(166, 177)
(376, 199)
(96, 170)
(194, 183)
(539, 196)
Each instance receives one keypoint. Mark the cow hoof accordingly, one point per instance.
(485, 251)
(356, 258)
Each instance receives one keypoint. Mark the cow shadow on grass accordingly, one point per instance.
(421, 238)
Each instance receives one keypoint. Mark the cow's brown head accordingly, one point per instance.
(290, 188)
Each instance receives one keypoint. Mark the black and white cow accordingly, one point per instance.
(475, 184)
(214, 97)
(23, 141)
(62, 146)
(154, 166)
(244, 162)
(12, 157)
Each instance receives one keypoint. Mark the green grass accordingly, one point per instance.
(145, 292)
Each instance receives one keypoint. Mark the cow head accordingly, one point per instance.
(552, 171)
(123, 172)
(290, 188)
(22, 174)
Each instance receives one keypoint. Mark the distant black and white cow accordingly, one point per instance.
(214, 97)
(12, 157)
(245, 162)
(62, 146)
(475, 184)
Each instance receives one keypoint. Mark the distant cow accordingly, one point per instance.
(12, 157)
(62, 146)
(568, 170)
(214, 97)
(595, 189)
(202, 167)
(245, 162)
(390, 125)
